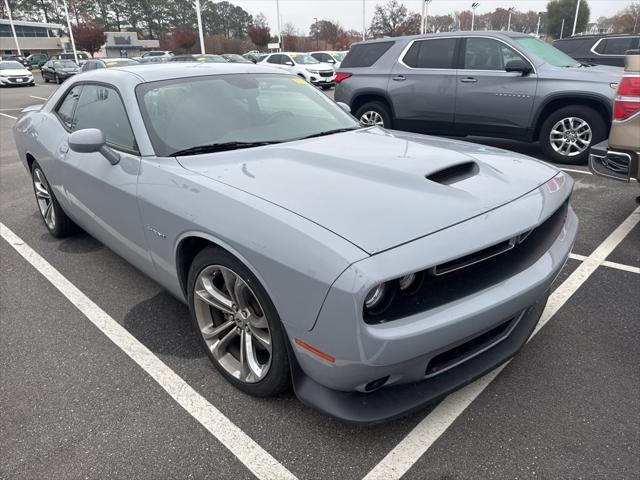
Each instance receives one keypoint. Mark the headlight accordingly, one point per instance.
(312, 71)
(378, 299)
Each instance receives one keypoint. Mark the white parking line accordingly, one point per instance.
(254, 457)
(8, 116)
(38, 98)
(575, 170)
(607, 263)
(399, 460)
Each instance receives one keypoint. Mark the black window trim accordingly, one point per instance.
(120, 148)
(404, 52)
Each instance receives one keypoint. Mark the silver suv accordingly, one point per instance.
(500, 84)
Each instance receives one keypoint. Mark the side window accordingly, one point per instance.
(277, 59)
(365, 54)
(488, 54)
(616, 46)
(68, 105)
(437, 53)
(287, 58)
(100, 107)
(317, 56)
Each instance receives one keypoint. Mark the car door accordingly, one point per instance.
(490, 99)
(422, 87)
(103, 196)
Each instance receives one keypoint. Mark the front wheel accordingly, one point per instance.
(238, 324)
(374, 114)
(568, 133)
(44, 77)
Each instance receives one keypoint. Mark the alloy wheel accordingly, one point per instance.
(43, 196)
(371, 118)
(570, 136)
(232, 323)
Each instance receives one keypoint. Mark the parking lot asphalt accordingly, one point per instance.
(73, 404)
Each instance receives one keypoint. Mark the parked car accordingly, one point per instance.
(202, 58)
(319, 74)
(96, 63)
(58, 70)
(339, 269)
(14, 73)
(500, 84)
(332, 58)
(154, 59)
(37, 59)
(157, 53)
(18, 58)
(82, 57)
(599, 49)
(619, 158)
(235, 58)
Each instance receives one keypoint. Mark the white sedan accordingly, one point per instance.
(317, 73)
(14, 73)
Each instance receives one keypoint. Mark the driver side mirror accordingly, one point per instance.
(331, 60)
(518, 66)
(92, 140)
(289, 63)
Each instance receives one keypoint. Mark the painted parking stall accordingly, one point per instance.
(279, 438)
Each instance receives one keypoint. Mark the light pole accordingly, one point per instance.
(538, 27)
(73, 43)
(316, 19)
(575, 20)
(562, 28)
(511, 10)
(474, 5)
(278, 22)
(13, 29)
(200, 34)
(364, 28)
(425, 16)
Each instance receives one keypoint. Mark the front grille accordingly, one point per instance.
(464, 276)
(15, 79)
(469, 349)
(326, 74)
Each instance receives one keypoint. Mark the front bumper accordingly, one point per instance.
(320, 81)
(18, 81)
(405, 349)
(605, 162)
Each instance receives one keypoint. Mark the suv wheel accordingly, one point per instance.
(568, 133)
(374, 114)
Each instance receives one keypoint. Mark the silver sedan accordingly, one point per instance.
(374, 270)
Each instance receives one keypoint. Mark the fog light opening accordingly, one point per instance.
(376, 384)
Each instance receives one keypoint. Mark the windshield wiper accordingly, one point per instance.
(330, 132)
(218, 147)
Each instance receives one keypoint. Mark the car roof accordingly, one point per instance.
(598, 35)
(151, 72)
(483, 33)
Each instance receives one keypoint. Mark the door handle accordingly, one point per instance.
(469, 80)
(399, 78)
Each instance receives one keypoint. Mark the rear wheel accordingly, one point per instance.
(237, 323)
(374, 114)
(56, 221)
(568, 133)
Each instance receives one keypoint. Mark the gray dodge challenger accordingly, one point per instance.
(376, 271)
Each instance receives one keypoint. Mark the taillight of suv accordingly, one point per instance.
(627, 100)
(340, 76)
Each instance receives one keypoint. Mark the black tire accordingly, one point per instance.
(62, 226)
(378, 107)
(327, 87)
(278, 377)
(44, 77)
(595, 121)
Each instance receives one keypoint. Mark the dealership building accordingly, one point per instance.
(33, 37)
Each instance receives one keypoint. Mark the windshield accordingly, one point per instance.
(120, 62)
(547, 53)
(11, 65)
(64, 64)
(210, 58)
(304, 59)
(338, 56)
(186, 112)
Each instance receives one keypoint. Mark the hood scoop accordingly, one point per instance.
(454, 173)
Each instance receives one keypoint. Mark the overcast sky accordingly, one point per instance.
(349, 12)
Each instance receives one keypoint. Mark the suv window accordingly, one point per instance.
(488, 54)
(615, 46)
(68, 105)
(435, 53)
(277, 59)
(366, 54)
(100, 107)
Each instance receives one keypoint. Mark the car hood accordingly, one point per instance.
(369, 186)
(16, 71)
